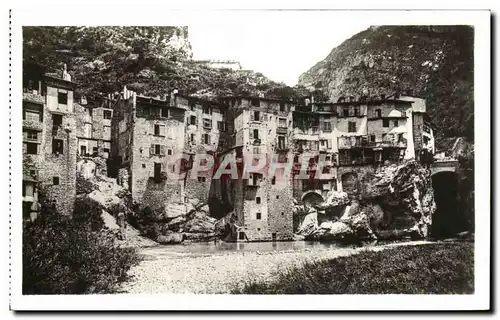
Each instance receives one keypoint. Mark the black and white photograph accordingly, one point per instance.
(251, 155)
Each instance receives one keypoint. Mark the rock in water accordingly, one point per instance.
(170, 238)
(309, 224)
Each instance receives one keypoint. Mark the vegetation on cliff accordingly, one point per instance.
(434, 62)
(149, 60)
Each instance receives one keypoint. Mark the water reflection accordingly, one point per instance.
(221, 247)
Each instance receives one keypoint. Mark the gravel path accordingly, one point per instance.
(173, 272)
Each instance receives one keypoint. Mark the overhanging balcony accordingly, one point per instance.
(282, 130)
(33, 97)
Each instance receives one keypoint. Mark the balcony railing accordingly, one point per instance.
(389, 141)
(281, 130)
(35, 125)
(33, 97)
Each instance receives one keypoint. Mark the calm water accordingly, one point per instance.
(210, 248)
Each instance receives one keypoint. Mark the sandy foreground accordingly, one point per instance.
(164, 271)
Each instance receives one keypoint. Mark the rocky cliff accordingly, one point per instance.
(395, 202)
(434, 62)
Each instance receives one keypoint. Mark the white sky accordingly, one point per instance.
(281, 47)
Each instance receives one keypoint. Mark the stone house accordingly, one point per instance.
(49, 138)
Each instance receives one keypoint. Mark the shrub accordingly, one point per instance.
(87, 214)
(433, 268)
(83, 186)
(62, 255)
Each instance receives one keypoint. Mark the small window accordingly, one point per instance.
(192, 105)
(94, 150)
(221, 126)
(106, 150)
(57, 146)
(207, 110)
(55, 181)
(282, 213)
(192, 120)
(207, 123)
(157, 130)
(191, 138)
(83, 150)
(241, 235)
(202, 179)
(32, 135)
(62, 98)
(396, 123)
(345, 112)
(257, 200)
(169, 152)
(256, 133)
(256, 115)
(385, 123)
(255, 102)
(356, 111)
(372, 138)
(351, 126)
(143, 165)
(31, 148)
(206, 138)
(378, 113)
(157, 149)
(107, 114)
(282, 106)
(273, 180)
(57, 120)
(277, 197)
(259, 215)
(282, 122)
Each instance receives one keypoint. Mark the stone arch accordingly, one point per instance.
(312, 198)
(350, 182)
(447, 220)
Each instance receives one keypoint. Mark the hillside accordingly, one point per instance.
(149, 60)
(435, 63)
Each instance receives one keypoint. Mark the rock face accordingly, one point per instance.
(395, 202)
(435, 62)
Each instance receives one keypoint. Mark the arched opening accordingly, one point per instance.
(350, 183)
(447, 221)
(312, 199)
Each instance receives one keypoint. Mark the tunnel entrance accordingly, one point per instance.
(447, 221)
(312, 199)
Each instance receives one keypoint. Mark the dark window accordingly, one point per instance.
(57, 120)
(157, 171)
(372, 138)
(385, 123)
(255, 133)
(107, 114)
(273, 235)
(83, 150)
(351, 126)
(62, 98)
(31, 148)
(57, 146)
(273, 180)
(207, 123)
(202, 179)
(281, 142)
(192, 120)
(94, 150)
(255, 102)
(256, 115)
(356, 111)
(277, 197)
(106, 150)
(192, 105)
(378, 113)
(257, 200)
(221, 126)
(345, 112)
(206, 138)
(192, 137)
(55, 181)
(241, 235)
(207, 110)
(157, 149)
(157, 130)
(169, 152)
(396, 123)
(144, 165)
(282, 106)
(259, 215)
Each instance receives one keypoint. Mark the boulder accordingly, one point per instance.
(171, 238)
(334, 199)
(309, 223)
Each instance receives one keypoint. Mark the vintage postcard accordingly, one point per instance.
(250, 160)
